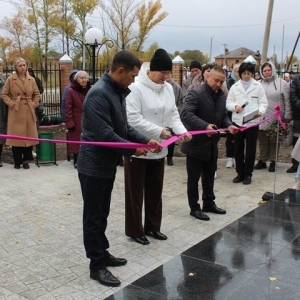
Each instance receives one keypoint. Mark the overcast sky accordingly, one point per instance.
(237, 23)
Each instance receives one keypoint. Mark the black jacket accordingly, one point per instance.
(295, 97)
(104, 119)
(201, 107)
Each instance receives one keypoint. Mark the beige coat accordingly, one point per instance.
(22, 99)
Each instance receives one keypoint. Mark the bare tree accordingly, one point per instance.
(122, 15)
(17, 28)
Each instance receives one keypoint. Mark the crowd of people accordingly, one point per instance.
(139, 102)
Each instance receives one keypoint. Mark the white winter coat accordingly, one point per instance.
(255, 96)
(151, 107)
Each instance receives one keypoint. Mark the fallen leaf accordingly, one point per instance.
(191, 274)
(277, 288)
(272, 278)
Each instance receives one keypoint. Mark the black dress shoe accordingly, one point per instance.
(292, 169)
(247, 179)
(214, 209)
(111, 261)
(17, 166)
(272, 167)
(141, 240)
(105, 277)
(260, 165)
(157, 235)
(199, 214)
(26, 166)
(238, 178)
(1, 164)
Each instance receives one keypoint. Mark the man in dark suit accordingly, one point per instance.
(204, 108)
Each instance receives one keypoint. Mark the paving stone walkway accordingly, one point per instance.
(41, 250)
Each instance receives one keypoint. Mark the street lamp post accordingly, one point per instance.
(94, 39)
(210, 49)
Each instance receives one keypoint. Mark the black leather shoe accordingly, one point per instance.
(272, 167)
(247, 179)
(260, 165)
(105, 277)
(214, 209)
(111, 261)
(292, 169)
(141, 240)
(170, 161)
(17, 166)
(199, 214)
(26, 166)
(238, 178)
(1, 164)
(157, 235)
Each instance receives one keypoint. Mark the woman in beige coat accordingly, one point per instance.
(21, 95)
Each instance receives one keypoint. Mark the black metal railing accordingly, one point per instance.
(51, 81)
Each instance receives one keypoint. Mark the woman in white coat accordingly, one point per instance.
(151, 110)
(245, 96)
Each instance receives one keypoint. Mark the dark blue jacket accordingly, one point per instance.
(104, 119)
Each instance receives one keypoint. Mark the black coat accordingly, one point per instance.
(104, 119)
(202, 107)
(295, 97)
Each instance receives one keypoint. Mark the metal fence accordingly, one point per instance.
(51, 80)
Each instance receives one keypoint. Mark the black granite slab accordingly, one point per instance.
(262, 288)
(135, 293)
(255, 257)
(289, 196)
(233, 251)
(187, 278)
(261, 227)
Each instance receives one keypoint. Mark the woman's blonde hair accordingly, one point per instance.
(20, 59)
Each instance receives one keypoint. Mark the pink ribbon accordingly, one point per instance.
(139, 145)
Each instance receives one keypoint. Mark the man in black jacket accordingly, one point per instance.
(204, 108)
(104, 119)
(295, 103)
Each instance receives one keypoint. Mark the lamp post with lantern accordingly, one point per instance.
(94, 39)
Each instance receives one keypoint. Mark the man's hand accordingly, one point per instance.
(211, 127)
(158, 147)
(186, 137)
(165, 134)
(141, 152)
(233, 129)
